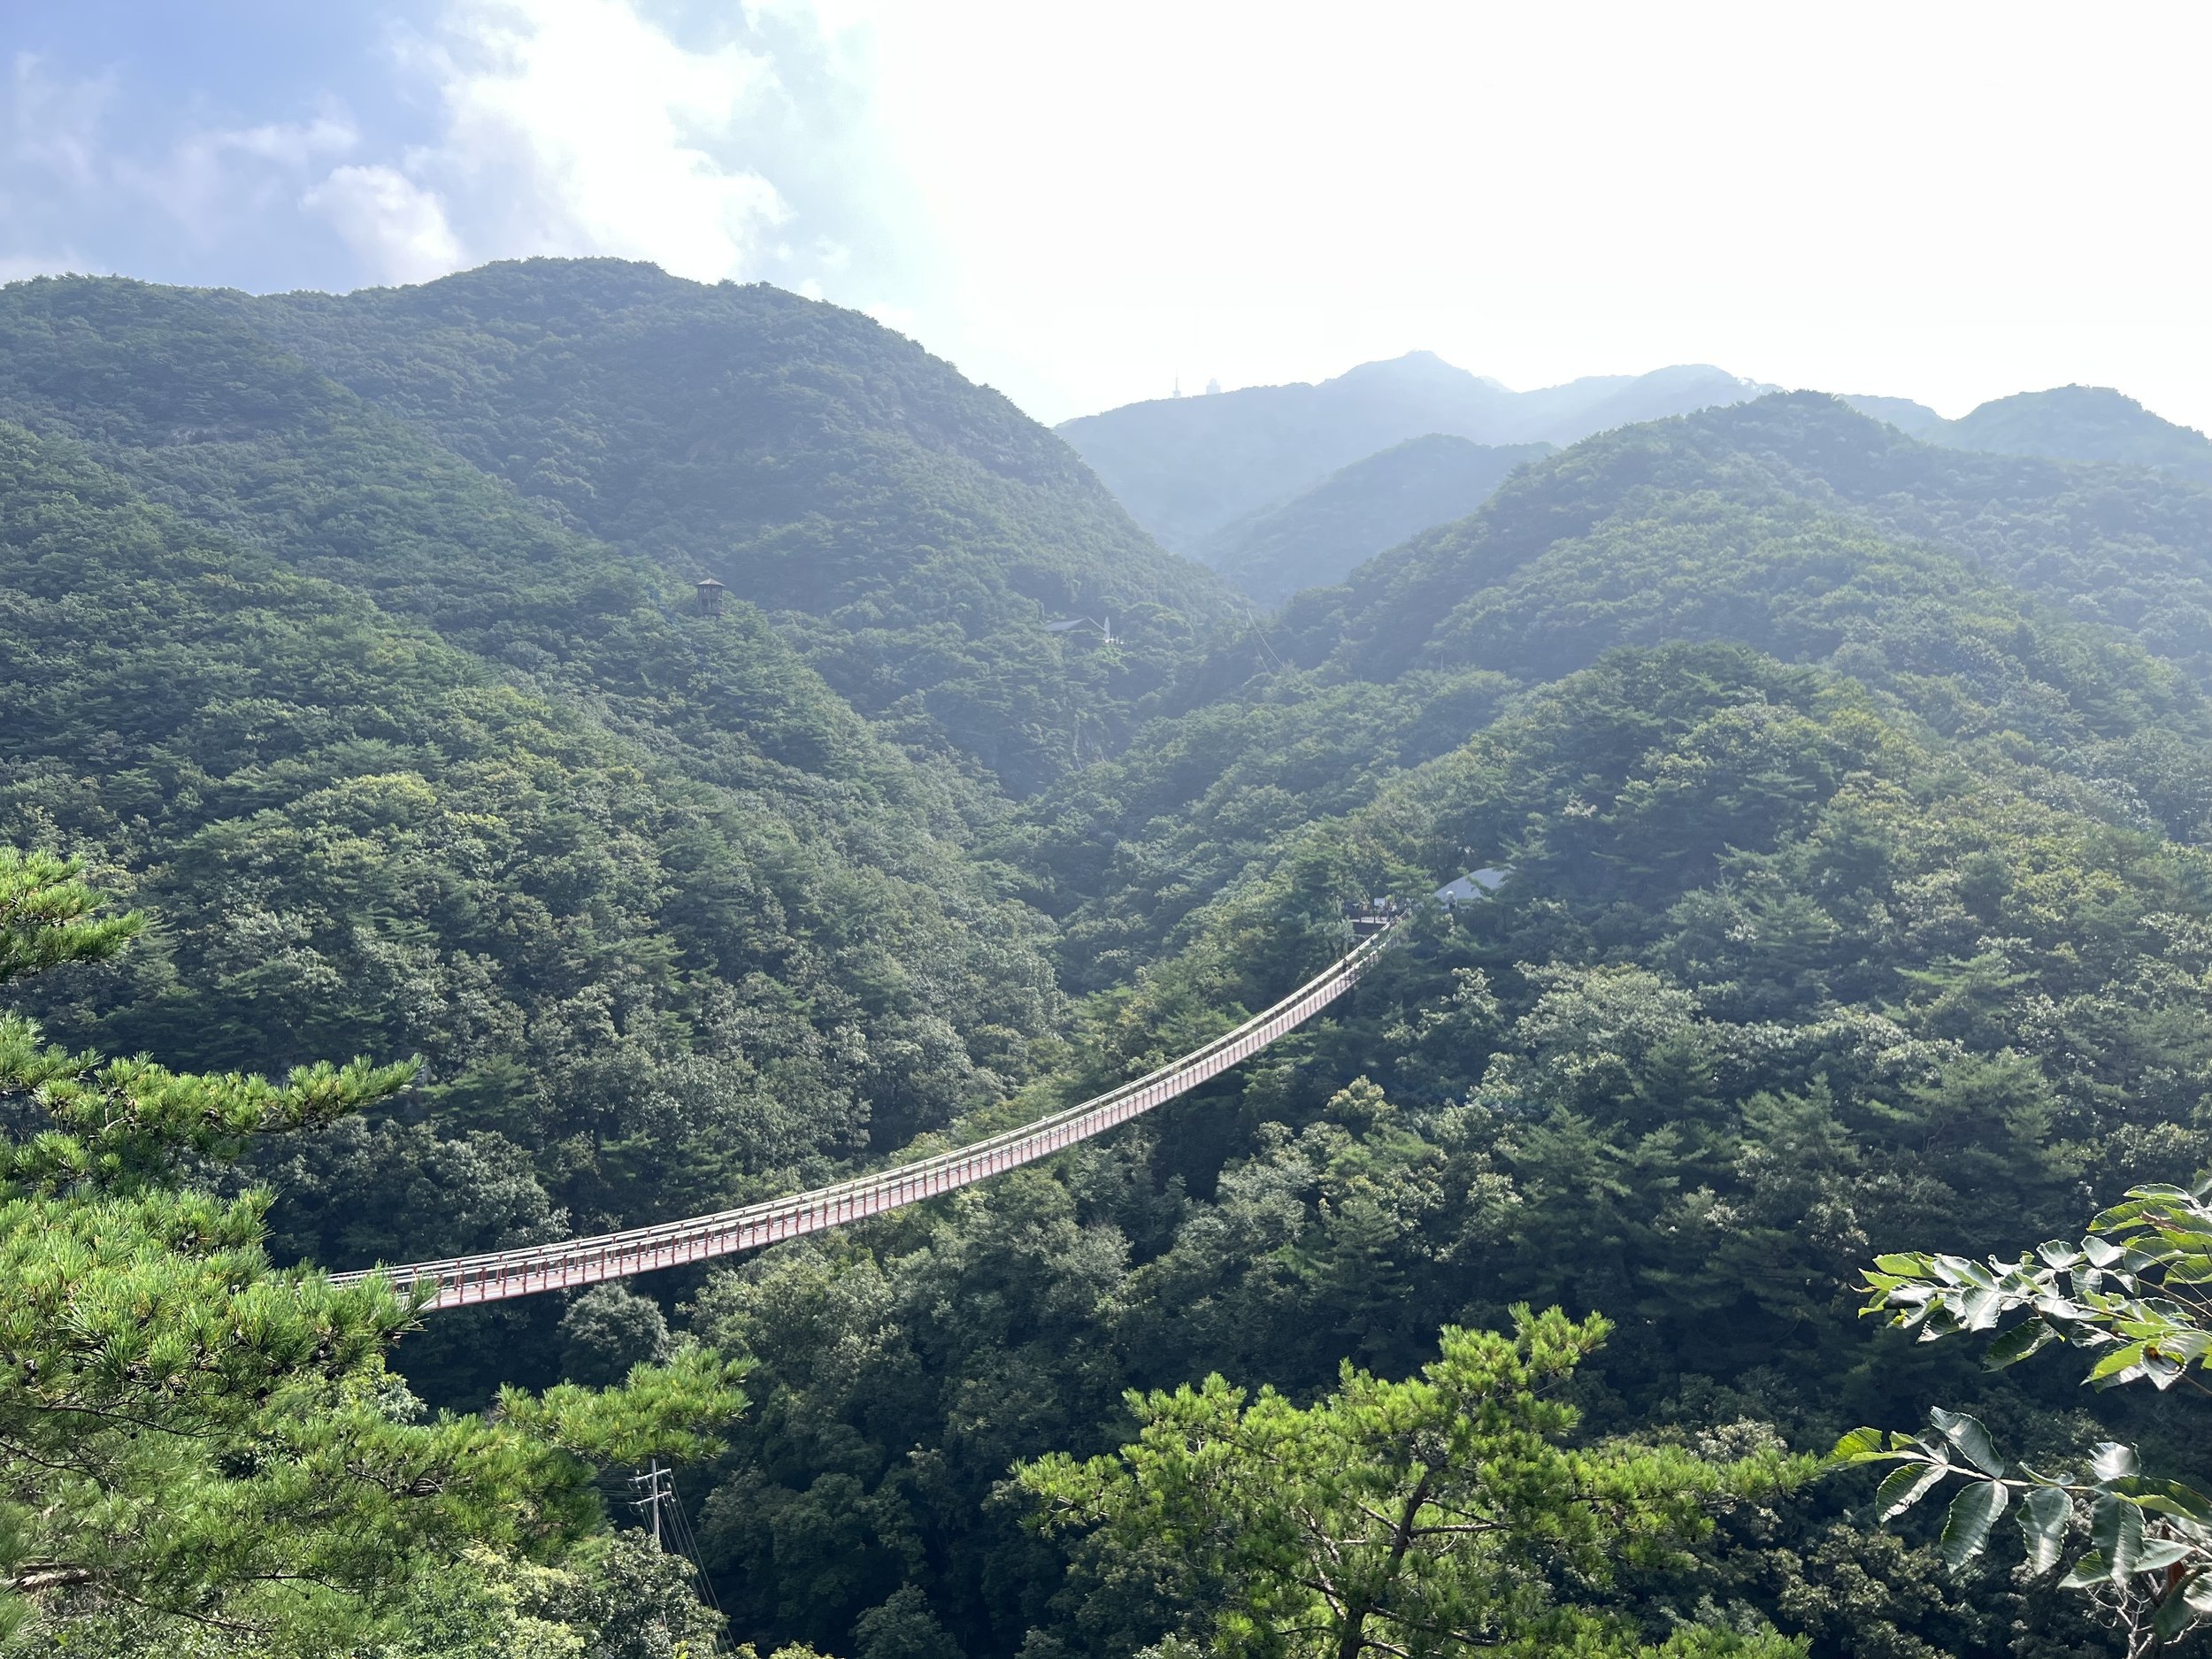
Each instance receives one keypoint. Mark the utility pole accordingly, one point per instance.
(655, 1481)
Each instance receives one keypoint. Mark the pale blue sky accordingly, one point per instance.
(1078, 201)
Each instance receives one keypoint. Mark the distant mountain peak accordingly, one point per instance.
(1415, 366)
(1188, 469)
(2081, 423)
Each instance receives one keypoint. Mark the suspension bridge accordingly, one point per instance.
(464, 1281)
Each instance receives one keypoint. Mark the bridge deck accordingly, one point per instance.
(494, 1276)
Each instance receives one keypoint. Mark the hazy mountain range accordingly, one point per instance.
(1315, 537)
(2067, 423)
(1186, 467)
(1282, 487)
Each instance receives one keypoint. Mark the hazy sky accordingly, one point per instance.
(1077, 201)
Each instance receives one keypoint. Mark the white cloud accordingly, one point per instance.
(54, 124)
(738, 141)
(391, 222)
(578, 126)
(213, 179)
(60, 161)
(722, 142)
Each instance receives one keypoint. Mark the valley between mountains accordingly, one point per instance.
(1851, 773)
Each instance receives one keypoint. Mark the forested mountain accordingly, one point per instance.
(911, 532)
(2082, 423)
(1791, 523)
(359, 838)
(2067, 423)
(1858, 902)
(405, 767)
(1314, 539)
(1188, 467)
(915, 529)
(1914, 420)
(1854, 796)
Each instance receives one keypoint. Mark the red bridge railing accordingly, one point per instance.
(494, 1276)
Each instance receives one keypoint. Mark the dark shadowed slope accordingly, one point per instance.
(1314, 539)
(1185, 467)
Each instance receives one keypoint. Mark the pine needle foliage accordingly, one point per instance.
(1438, 1515)
(207, 1442)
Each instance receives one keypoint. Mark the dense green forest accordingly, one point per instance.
(1854, 796)
(550, 423)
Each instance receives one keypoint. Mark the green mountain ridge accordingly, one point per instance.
(2083, 423)
(2067, 423)
(913, 533)
(361, 839)
(1727, 526)
(1186, 468)
(1855, 795)
(1314, 539)
(627, 878)
(1858, 897)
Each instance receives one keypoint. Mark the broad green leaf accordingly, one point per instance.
(2088, 1572)
(1859, 1446)
(2018, 1343)
(2115, 1526)
(1966, 1525)
(2186, 1345)
(2174, 1615)
(1902, 1488)
(1980, 1309)
(2113, 1365)
(1970, 1438)
(2044, 1513)
(2161, 1553)
(1971, 1274)
(2165, 1497)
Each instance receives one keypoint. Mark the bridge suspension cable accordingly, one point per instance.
(464, 1281)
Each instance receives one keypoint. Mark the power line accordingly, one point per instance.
(1266, 644)
(672, 1524)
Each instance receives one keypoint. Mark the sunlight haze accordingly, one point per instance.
(1081, 204)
